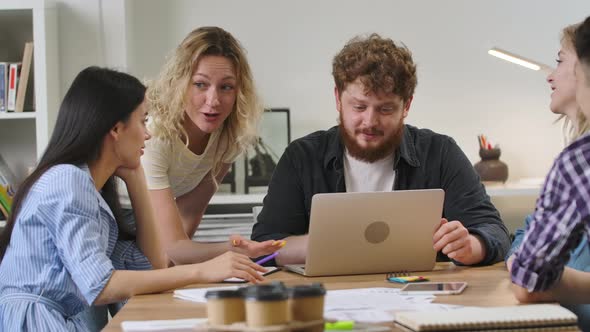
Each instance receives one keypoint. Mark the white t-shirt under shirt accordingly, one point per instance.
(360, 176)
(170, 164)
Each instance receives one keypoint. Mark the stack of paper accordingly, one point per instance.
(375, 305)
(163, 325)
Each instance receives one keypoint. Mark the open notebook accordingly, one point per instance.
(534, 317)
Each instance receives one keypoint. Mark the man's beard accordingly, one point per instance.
(371, 154)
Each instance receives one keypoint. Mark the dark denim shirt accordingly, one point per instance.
(425, 160)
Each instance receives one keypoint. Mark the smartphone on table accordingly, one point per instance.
(434, 288)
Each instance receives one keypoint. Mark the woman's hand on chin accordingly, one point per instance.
(127, 174)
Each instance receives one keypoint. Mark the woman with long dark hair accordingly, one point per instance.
(57, 244)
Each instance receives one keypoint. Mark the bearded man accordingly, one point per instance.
(373, 150)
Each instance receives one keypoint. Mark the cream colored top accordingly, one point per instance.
(170, 164)
(360, 176)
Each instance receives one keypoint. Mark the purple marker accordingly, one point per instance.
(267, 258)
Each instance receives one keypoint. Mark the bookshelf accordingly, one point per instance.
(24, 136)
(13, 115)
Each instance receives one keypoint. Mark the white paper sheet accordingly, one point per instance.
(383, 299)
(162, 325)
(362, 316)
(379, 298)
(385, 316)
(197, 294)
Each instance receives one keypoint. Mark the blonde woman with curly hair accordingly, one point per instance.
(204, 112)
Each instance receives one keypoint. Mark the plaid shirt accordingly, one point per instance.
(561, 219)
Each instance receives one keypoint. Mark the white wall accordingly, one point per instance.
(79, 42)
(91, 32)
(461, 90)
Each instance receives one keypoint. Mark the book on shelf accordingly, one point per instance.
(3, 90)
(8, 183)
(5, 201)
(13, 71)
(23, 79)
(15, 81)
(3, 213)
(7, 176)
(532, 317)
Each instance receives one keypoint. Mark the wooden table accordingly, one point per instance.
(487, 286)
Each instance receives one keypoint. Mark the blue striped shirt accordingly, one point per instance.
(561, 219)
(57, 262)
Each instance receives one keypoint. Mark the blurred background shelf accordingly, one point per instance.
(24, 136)
(17, 116)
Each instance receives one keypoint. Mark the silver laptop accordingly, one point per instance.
(375, 232)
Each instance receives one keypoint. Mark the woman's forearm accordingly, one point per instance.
(125, 284)
(148, 240)
(192, 205)
(573, 287)
(189, 252)
(190, 209)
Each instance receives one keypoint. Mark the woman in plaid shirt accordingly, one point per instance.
(562, 215)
